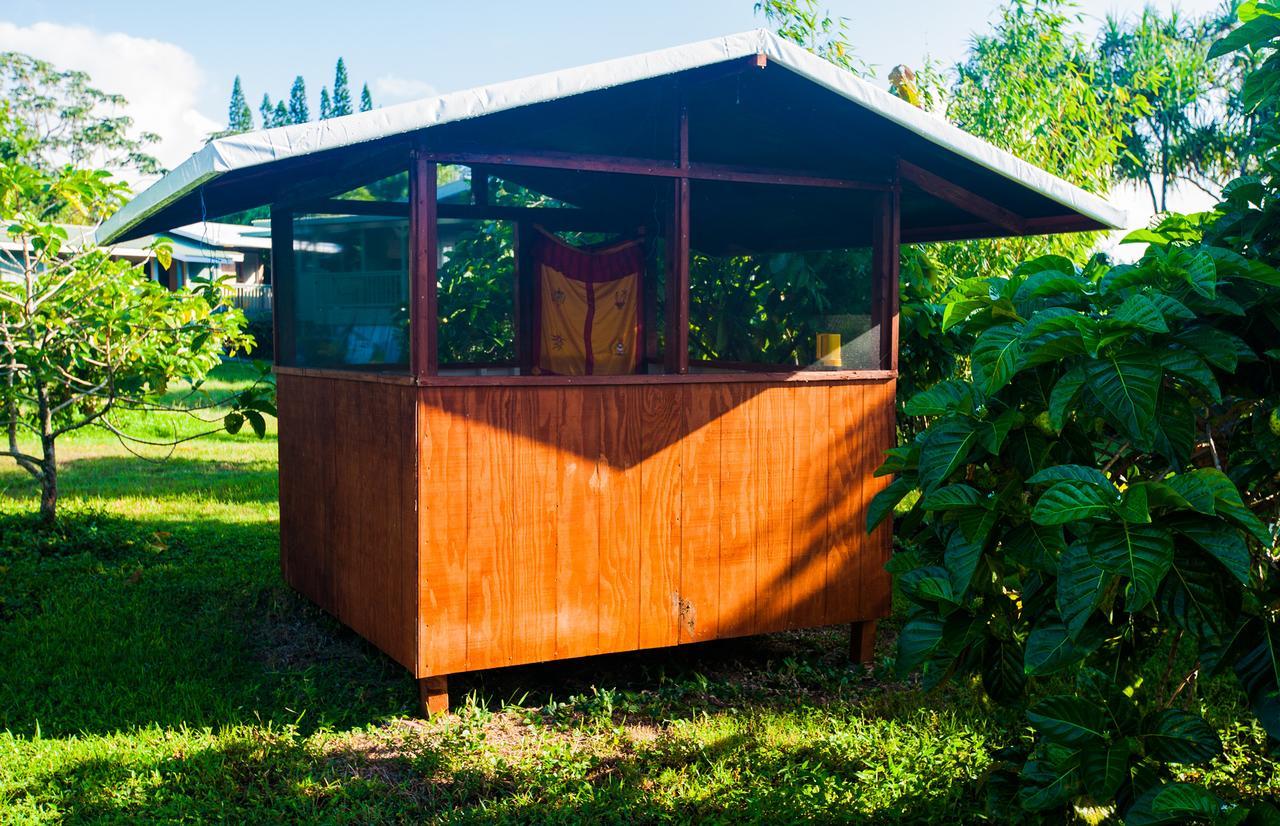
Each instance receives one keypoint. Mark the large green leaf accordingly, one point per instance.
(1191, 596)
(953, 497)
(1051, 649)
(1126, 384)
(961, 560)
(1220, 540)
(930, 585)
(1175, 427)
(882, 504)
(944, 448)
(950, 396)
(1140, 313)
(1080, 586)
(1037, 547)
(1070, 501)
(1258, 669)
(996, 357)
(1191, 367)
(1218, 347)
(1074, 473)
(919, 638)
(1063, 394)
(1227, 501)
(1002, 675)
(1143, 553)
(1103, 770)
(1050, 283)
(1069, 721)
(1178, 736)
(1179, 803)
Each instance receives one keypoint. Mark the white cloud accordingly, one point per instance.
(395, 89)
(1136, 202)
(159, 80)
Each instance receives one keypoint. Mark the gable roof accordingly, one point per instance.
(223, 170)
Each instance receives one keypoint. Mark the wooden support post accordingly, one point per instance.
(423, 260)
(433, 693)
(283, 286)
(523, 302)
(677, 343)
(885, 243)
(479, 186)
(862, 642)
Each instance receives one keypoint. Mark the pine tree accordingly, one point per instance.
(239, 117)
(366, 99)
(280, 117)
(341, 90)
(266, 110)
(326, 108)
(298, 112)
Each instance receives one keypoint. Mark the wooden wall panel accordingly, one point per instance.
(882, 425)
(563, 521)
(348, 527)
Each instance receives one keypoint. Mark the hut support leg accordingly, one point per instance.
(862, 641)
(434, 694)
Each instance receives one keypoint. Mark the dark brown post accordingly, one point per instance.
(283, 286)
(433, 694)
(479, 186)
(885, 242)
(677, 344)
(862, 642)
(423, 316)
(523, 303)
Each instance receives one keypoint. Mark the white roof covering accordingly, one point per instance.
(266, 146)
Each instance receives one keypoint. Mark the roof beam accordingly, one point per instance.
(959, 197)
(654, 168)
(1048, 225)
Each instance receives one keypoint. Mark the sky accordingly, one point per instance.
(175, 62)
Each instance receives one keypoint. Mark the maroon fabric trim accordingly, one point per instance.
(589, 265)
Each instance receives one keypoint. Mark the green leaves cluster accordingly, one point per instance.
(1092, 524)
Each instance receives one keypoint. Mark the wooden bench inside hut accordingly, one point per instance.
(604, 359)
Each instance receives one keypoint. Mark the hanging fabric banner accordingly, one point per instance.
(588, 308)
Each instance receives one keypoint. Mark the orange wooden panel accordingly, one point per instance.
(443, 511)
(774, 482)
(491, 552)
(881, 435)
(538, 416)
(810, 475)
(578, 524)
(740, 485)
(846, 434)
(305, 558)
(618, 474)
(700, 512)
(660, 509)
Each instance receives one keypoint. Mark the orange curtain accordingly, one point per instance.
(588, 308)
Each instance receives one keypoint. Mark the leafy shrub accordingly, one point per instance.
(1090, 497)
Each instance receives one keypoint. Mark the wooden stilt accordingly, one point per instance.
(862, 641)
(434, 694)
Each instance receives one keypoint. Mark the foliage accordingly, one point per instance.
(341, 90)
(1088, 537)
(326, 107)
(69, 120)
(239, 117)
(366, 99)
(299, 112)
(806, 23)
(83, 334)
(1179, 134)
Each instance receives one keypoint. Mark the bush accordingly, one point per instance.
(1087, 538)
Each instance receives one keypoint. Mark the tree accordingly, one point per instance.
(82, 334)
(298, 111)
(281, 117)
(1089, 520)
(366, 99)
(326, 108)
(804, 22)
(1178, 135)
(341, 90)
(239, 118)
(267, 111)
(69, 120)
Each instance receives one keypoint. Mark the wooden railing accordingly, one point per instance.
(253, 299)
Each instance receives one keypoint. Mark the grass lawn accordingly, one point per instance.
(154, 667)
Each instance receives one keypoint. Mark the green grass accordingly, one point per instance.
(154, 667)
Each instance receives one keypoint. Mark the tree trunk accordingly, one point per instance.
(49, 483)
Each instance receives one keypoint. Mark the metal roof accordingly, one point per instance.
(230, 173)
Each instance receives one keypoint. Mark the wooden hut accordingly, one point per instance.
(629, 389)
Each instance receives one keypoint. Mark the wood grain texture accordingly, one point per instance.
(561, 521)
(348, 529)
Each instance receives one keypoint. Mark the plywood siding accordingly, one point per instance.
(562, 521)
(348, 530)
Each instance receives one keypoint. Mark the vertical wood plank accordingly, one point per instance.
(444, 510)
(700, 509)
(847, 435)
(660, 508)
(811, 471)
(538, 418)
(774, 482)
(283, 286)
(737, 511)
(881, 435)
(618, 474)
(491, 555)
(578, 525)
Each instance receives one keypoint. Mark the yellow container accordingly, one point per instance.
(829, 350)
